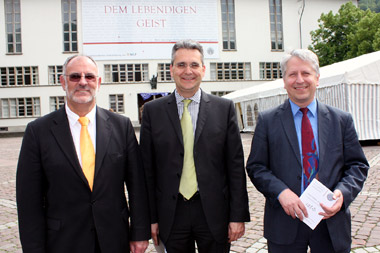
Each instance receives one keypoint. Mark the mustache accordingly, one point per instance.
(82, 87)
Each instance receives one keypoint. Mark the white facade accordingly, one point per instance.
(42, 46)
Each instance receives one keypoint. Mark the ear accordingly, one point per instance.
(99, 82)
(62, 81)
(171, 70)
(318, 80)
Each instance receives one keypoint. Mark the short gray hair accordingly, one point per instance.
(187, 44)
(303, 54)
(68, 60)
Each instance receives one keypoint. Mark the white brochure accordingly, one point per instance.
(315, 194)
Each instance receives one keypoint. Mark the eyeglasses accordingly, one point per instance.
(183, 65)
(75, 77)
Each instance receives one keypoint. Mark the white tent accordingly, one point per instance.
(352, 85)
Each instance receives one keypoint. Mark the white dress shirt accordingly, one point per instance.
(75, 128)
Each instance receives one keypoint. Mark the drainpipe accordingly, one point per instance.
(300, 21)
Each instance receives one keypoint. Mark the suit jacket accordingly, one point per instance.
(57, 210)
(274, 164)
(218, 157)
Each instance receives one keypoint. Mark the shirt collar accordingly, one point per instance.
(312, 107)
(196, 98)
(73, 117)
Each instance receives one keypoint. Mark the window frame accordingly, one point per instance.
(227, 71)
(56, 102)
(19, 76)
(54, 72)
(12, 20)
(24, 107)
(276, 25)
(271, 68)
(228, 25)
(163, 72)
(69, 25)
(126, 73)
(116, 102)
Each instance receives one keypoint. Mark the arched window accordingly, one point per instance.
(249, 116)
(256, 110)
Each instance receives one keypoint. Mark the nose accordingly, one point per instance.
(82, 79)
(299, 78)
(188, 69)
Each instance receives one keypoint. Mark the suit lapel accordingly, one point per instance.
(102, 140)
(289, 128)
(202, 115)
(172, 110)
(324, 124)
(61, 132)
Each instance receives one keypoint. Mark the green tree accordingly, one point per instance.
(349, 33)
(330, 40)
(367, 31)
(373, 5)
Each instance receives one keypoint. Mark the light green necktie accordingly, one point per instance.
(188, 184)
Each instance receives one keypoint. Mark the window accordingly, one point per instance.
(228, 24)
(56, 103)
(11, 76)
(54, 73)
(13, 26)
(249, 116)
(275, 7)
(220, 93)
(120, 73)
(230, 71)
(69, 20)
(270, 70)
(164, 72)
(19, 107)
(117, 103)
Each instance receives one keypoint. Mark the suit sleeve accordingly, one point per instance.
(239, 210)
(258, 164)
(137, 193)
(30, 194)
(355, 164)
(146, 145)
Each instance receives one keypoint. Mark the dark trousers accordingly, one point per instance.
(97, 246)
(318, 240)
(190, 226)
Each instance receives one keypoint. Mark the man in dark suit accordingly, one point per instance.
(63, 208)
(277, 162)
(213, 214)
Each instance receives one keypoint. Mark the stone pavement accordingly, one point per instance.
(365, 209)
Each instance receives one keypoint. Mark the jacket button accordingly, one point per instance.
(174, 197)
(299, 177)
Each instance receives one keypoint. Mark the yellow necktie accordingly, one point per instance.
(87, 152)
(188, 184)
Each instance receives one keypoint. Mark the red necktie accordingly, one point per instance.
(309, 150)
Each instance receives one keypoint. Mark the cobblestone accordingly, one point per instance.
(365, 210)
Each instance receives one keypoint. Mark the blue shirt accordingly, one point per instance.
(313, 117)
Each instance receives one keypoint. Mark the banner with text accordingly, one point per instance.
(147, 29)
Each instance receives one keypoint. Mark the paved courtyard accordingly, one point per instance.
(365, 209)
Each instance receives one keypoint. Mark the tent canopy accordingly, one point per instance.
(364, 69)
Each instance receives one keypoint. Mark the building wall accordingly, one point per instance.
(42, 46)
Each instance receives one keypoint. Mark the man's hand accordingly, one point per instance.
(292, 204)
(138, 246)
(154, 231)
(235, 231)
(331, 211)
